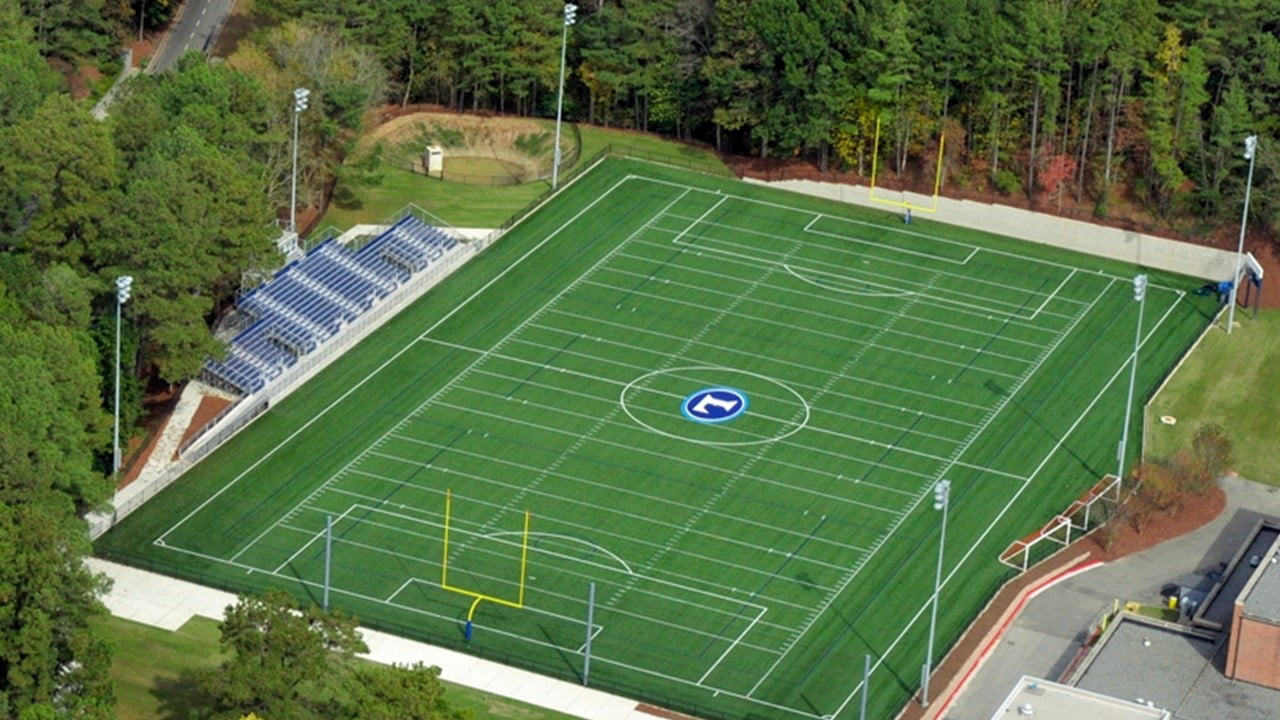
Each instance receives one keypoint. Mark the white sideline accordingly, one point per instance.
(1124, 245)
(167, 603)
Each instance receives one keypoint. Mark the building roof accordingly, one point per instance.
(1044, 700)
(1175, 669)
(1218, 608)
(1261, 596)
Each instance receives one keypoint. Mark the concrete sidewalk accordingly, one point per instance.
(1044, 639)
(167, 603)
(1124, 245)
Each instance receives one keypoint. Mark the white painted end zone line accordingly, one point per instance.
(1051, 295)
(974, 545)
(732, 645)
(305, 545)
(378, 370)
(973, 249)
(403, 585)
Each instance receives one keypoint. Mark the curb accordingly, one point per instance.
(164, 41)
(993, 639)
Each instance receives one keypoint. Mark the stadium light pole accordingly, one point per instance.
(1250, 149)
(941, 500)
(123, 285)
(1139, 294)
(301, 97)
(570, 14)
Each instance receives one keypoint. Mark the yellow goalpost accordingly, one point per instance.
(479, 597)
(937, 177)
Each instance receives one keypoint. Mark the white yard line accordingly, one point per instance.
(917, 298)
(731, 647)
(855, 274)
(1000, 405)
(1052, 295)
(764, 321)
(990, 307)
(531, 321)
(996, 521)
(396, 356)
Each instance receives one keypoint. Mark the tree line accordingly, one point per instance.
(1090, 100)
(177, 188)
(1087, 100)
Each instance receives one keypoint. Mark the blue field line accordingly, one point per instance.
(234, 527)
(544, 365)
(679, 251)
(398, 487)
(1008, 319)
(1029, 415)
(767, 581)
(889, 448)
(611, 465)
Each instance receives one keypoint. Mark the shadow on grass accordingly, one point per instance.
(345, 199)
(182, 697)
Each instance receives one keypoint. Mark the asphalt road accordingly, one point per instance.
(193, 30)
(1045, 637)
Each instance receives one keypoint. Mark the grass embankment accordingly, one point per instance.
(1226, 381)
(153, 671)
(489, 206)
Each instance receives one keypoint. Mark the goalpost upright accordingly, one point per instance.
(905, 204)
(478, 597)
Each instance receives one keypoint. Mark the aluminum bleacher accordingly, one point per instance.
(309, 300)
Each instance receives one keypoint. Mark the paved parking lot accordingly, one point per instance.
(1046, 636)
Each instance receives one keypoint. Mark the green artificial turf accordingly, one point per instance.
(1224, 382)
(740, 569)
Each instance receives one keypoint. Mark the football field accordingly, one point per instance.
(707, 414)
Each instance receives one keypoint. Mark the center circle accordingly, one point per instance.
(658, 401)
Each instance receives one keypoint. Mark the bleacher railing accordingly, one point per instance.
(237, 416)
(249, 407)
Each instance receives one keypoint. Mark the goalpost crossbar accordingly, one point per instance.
(906, 204)
(477, 596)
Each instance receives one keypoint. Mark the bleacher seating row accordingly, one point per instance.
(311, 299)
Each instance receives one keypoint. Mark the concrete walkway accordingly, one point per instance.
(167, 603)
(1044, 639)
(1124, 245)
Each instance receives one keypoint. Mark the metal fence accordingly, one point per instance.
(249, 407)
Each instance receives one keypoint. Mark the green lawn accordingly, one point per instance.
(457, 204)
(152, 671)
(489, 206)
(741, 568)
(642, 145)
(1224, 381)
(152, 666)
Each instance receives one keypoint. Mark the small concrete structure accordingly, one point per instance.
(1044, 700)
(433, 160)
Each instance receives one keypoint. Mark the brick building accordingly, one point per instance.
(1253, 644)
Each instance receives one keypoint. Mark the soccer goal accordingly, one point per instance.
(1070, 523)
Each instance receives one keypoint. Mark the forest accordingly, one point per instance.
(1115, 106)
(1090, 101)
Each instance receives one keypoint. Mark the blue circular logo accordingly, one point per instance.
(714, 405)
